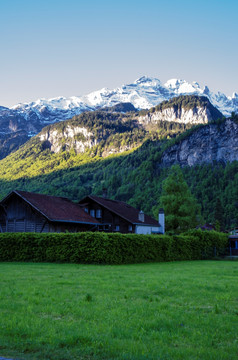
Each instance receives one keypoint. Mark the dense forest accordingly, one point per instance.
(134, 176)
(113, 130)
(121, 123)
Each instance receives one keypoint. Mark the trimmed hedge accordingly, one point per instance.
(109, 248)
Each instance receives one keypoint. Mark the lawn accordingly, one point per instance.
(163, 311)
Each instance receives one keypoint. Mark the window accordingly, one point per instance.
(86, 210)
(117, 228)
(92, 213)
(98, 213)
(129, 227)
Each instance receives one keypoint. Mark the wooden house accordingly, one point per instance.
(117, 216)
(233, 242)
(23, 211)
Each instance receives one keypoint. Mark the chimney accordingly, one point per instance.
(161, 220)
(104, 193)
(141, 216)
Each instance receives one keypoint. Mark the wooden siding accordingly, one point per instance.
(19, 216)
(109, 220)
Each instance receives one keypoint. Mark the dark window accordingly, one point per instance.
(98, 213)
(92, 213)
(233, 244)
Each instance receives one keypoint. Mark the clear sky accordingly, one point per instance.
(51, 48)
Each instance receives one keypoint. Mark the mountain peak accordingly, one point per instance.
(206, 90)
(173, 83)
(179, 86)
(143, 93)
(147, 81)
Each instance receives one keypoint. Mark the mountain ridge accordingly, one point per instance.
(136, 176)
(144, 93)
(184, 108)
(129, 129)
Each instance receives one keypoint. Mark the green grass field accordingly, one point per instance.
(179, 310)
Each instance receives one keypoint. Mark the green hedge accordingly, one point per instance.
(108, 248)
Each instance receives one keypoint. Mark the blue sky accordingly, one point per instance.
(52, 48)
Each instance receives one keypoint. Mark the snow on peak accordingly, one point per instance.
(148, 81)
(173, 83)
(143, 93)
(183, 87)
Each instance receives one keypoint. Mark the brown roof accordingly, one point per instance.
(122, 209)
(55, 208)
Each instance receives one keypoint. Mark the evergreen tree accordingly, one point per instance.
(181, 209)
(218, 215)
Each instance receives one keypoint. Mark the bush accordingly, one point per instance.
(209, 242)
(109, 248)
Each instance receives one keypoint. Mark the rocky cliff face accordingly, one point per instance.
(188, 109)
(76, 137)
(197, 115)
(213, 142)
(11, 142)
(15, 123)
(15, 130)
(11, 121)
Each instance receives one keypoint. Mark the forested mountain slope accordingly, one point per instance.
(123, 122)
(136, 175)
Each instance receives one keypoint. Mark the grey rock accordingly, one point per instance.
(210, 143)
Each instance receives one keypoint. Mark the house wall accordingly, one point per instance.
(19, 216)
(234, 246)
(143, 229)
(109, 220)
(2, 218)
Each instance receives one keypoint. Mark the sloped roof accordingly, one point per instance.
(55, 208)
(122, 209)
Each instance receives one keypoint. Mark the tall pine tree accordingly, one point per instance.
(181, 209)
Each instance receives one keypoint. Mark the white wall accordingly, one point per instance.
(140, 229)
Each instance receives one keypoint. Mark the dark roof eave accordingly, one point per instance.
(117, 213)
(36, 208)
(143, 224)
(74, 222)
(22, 197)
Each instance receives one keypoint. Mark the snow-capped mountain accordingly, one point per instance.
(144, 93)
(225, 104)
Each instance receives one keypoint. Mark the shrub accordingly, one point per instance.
(209, 242)
(109, 248)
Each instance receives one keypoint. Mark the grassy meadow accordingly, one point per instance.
(167, 311)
